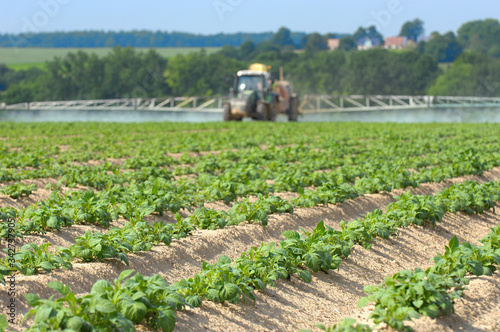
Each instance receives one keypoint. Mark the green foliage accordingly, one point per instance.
(3, 323)
(443, 48)
(380, 71)
(472, 74)
(18, 189)
(432, 292)
(408, 294)
(315, 43)
(32, 259)
(260, 209)
(109, 307)
(412, 29)
(481, 36)
(347, 43)
(346, 325)
(201, 74)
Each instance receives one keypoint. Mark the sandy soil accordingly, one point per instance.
(292, 304)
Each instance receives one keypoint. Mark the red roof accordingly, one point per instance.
(395, 41)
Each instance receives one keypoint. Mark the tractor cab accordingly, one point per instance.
(254, 81)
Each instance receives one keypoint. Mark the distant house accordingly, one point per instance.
(333, 44)
(395, 43)
(411, 44)
(368, 43)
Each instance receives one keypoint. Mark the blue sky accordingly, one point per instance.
(228, 16)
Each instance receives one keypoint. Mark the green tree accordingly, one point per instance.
(481, 36)
(315, 42)
(444, 48)
(412, 29)
(283, 37)
(247, 50)
(472, 74)
(347, 43)
(230, 51)
(199, 74)
(380, 71)
(425, 71)
(319, 73)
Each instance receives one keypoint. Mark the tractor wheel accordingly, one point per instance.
(262, 112)
(226, 112)
(273, 111)
(293, 111)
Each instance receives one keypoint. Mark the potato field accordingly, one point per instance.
(249, 227)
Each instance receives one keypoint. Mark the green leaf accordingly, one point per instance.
(312, 261)
(224, 260)
(32, 299)
(228, 291)
(100, 287)
(105, 306)
(476, 268)
(212, 294)
(418, 303)
(53, 222)
(135, 311)
(75, 323)
(453, 244)
(94, 241)
(60, 287)
(147, 210)
(3, 323)
(291, 235)
(193, 300)
(305, 275)
(124, 274)
(43, 313)
(85, 254)
(46, 266)
(369, 289)
(431, 310)
(363, 301)
(123, 258)
(166, 320)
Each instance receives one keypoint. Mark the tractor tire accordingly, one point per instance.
(226, 112)
(272, 114)
(293, 111)
(274, 110)
(262, 112)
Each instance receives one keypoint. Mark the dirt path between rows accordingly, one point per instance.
(292, 304)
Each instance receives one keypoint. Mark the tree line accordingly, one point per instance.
(482, 36)
(139, 38)
(126, 72)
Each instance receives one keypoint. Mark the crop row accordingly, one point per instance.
(122, 304)
(410, 294)
(138, 235)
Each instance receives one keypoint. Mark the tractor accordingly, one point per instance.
(255, 96)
